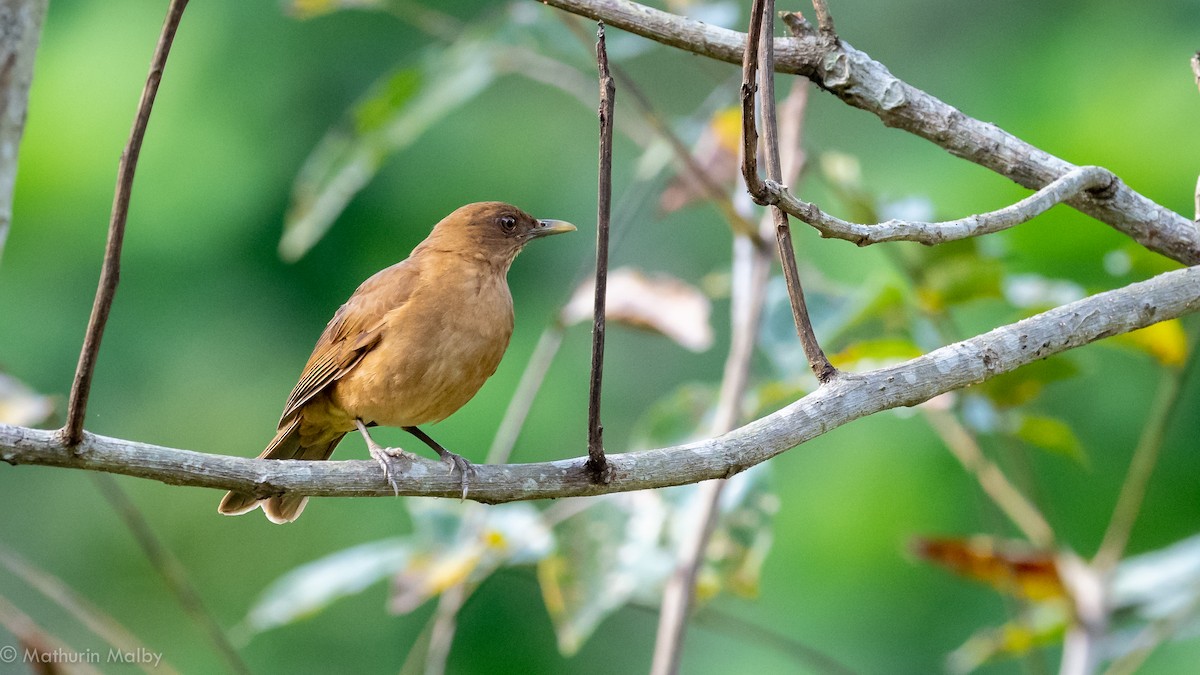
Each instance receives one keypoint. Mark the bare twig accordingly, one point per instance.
(1083, 645)
(1074, 182)
(752, 267)
(864, 83)
(172, 571)
(848, 397)
(817, 360)
(110, 273)
(1003, 494)
(824, 18)
(1141, 466)
(21, 25)
(596, 461)
(522, 399)
(444, 626)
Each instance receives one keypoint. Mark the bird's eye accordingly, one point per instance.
(508, 223)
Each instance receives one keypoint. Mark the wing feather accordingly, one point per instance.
(354, 330)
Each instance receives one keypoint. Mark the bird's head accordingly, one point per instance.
(491, 231)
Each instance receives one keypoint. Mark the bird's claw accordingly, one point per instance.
(389, 458)
(465, 468)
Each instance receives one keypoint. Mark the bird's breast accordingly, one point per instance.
(436, 351)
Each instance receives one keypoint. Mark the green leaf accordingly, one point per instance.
(464, 543)
(1023, 385)
(679, 417)
(743, 536)
(445, 548)
(607, 555)
(875, 352)
(308, 589)
(623, 548)
(1051, 434)
(400, 107)
(1036, 626)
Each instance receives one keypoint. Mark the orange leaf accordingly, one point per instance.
(1007, 566)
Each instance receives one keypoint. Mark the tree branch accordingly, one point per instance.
(1074, 182)
(861, 82)
(759, 48)
(110, 273)
(847, 398)
(595, 439)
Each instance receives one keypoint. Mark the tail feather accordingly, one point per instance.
(285, 445)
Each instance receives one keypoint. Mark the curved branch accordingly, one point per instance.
(843, 400)
(864, 83)
(1074, 182)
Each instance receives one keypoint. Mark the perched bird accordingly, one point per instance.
(412, 345)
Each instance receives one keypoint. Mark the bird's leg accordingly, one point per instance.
(386, 457)
(454, 461)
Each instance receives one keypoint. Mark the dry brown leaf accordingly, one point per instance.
(658, 303)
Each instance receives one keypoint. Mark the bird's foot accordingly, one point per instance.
(457, 462)
(395, 462)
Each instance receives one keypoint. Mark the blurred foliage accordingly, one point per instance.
(344, 135)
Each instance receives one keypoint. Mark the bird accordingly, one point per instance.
(411, 346)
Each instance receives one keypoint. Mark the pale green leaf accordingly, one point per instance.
(397, 110)
(308, 589)
(1053, 434)
(607, 555)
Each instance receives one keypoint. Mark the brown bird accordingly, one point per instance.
(412, 345)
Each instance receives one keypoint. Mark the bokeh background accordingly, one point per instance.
(210, 328)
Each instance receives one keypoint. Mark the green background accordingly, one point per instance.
(210, 328)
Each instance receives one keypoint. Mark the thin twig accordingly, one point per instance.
(1003, 494)
(824, 18)
(849, 397)
(172, 571)
(596, 461)
(110, 273)
(1141, 466)
(95, 619)
(761, 37)
(443, 627)
(522, 399)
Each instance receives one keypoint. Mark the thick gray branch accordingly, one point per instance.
(864, 83)
(20, 27)
(846, 398)
(1068, 185)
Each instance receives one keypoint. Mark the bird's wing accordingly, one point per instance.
(356, 327)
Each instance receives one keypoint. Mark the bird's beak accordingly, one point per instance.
(546, 228)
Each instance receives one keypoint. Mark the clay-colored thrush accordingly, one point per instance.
(412, 345)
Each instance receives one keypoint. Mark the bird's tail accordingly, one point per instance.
(286, 445)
